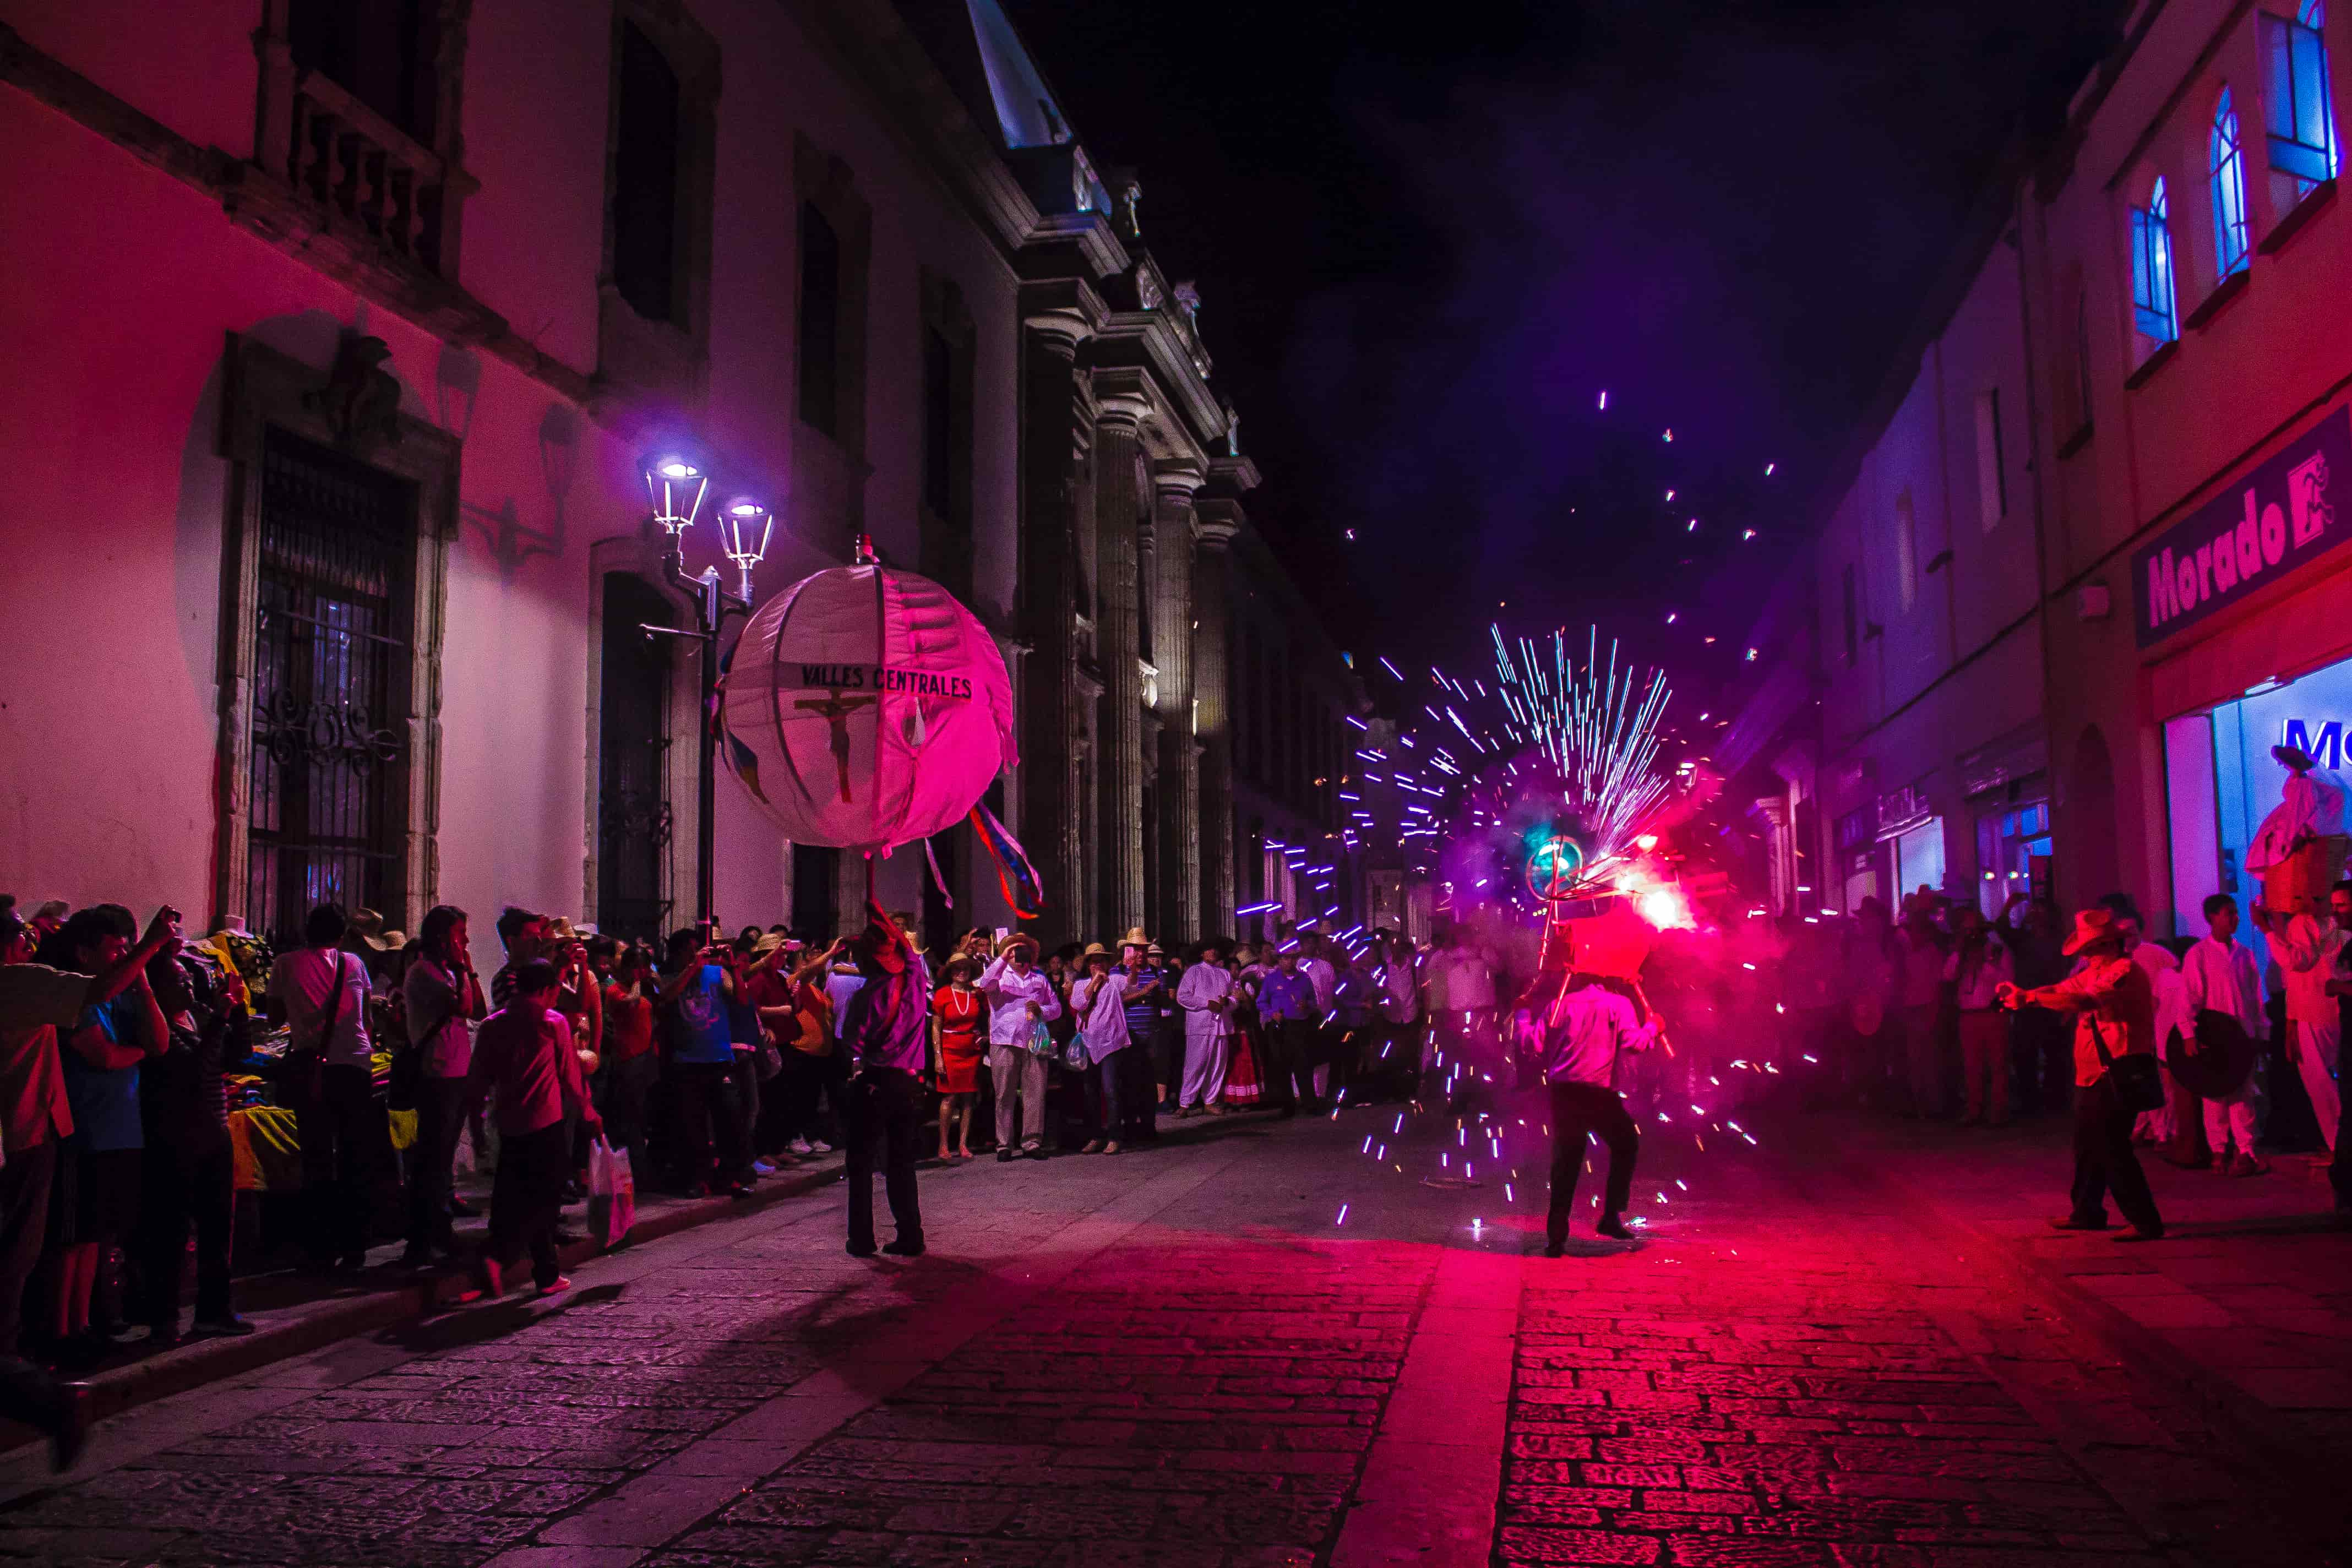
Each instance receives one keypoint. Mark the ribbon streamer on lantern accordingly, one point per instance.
(1023, 889)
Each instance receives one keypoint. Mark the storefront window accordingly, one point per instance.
(2222, 780)
(2009, 843)
(1919, 857)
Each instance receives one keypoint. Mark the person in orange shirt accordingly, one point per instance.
(2115, 1015)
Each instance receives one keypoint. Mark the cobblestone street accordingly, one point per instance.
(1178, 1359)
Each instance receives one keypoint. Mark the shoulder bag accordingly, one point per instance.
(307, 1064)
(2138, 1078)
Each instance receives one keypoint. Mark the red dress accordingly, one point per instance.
(959, 1044)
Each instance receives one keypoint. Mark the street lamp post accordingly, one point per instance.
(677, 484)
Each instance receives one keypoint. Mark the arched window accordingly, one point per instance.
(2297, 111)
(2152, 309)
(2228, 173)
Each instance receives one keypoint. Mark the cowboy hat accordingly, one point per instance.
(767, 944)
(557, 928)
(2093, 926)
(367, 926)
(2293, 757)
(1012, 939)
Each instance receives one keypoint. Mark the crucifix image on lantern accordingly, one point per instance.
(863, 708)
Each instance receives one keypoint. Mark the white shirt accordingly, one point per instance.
(1101, 1010)
(1460, 981)
(1582, 1032)
(305, 981)
(839, 987)
(1202, 994)
(1398, 1002)
(2220, 976)
(2307, 950)
(1981, 991)
(1323, 977)
(1009, 996)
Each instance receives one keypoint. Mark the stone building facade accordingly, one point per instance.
(340, 331)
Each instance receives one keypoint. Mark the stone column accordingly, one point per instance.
(1214, 526)
(1056, 434)
(1119, 502)
(1175, 484)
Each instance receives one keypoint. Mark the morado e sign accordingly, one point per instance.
(2254, 533)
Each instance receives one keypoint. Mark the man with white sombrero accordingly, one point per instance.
(1020, 1002)
(2114, 1017)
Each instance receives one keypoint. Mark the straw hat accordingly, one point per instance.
(367, 926)
(1094, 949)
(1134, 938)
(559, 928)
(2091, 926)
(1016, 939)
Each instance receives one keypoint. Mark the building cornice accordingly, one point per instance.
(874, 46)
(267, 208)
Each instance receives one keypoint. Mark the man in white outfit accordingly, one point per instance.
(2219, 974)
(1019, 996)
(2306, 952)
(1205, 994)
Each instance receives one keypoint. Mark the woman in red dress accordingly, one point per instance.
(956, 1014)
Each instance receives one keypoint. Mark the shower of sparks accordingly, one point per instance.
(1598, 725)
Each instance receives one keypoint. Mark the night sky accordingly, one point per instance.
(1423, 252)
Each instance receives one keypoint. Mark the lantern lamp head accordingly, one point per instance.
(745, 527)
(676, 483)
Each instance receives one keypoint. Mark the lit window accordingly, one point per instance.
(2152, 269)
(2229, 177)
(2296, 107)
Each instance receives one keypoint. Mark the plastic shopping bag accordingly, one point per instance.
(612, 1194)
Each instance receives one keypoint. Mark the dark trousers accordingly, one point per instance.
(184, 1188)
(2105, 1161)
(25, 1184)
(440, 1118)
(707, 1114)
(1139, 1097)
(1168, 1056)
(1101, 1083)
(1579, 1111)
(882, 1114)
(527, 1199)
(746, 1074)
(628, 1090)
(1290, 1075)
(346, 1145)
(180, 1188)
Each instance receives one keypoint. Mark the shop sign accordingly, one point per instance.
(2275, 519)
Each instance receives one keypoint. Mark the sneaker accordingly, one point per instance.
(801, 1146)
(2248, 1165)
(555, 1287)
(762, 1167)
(824, 1147)
(228, 1326)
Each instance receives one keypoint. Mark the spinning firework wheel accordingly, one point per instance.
(1553, 868)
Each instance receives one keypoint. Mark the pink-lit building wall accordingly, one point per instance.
(119, 284)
